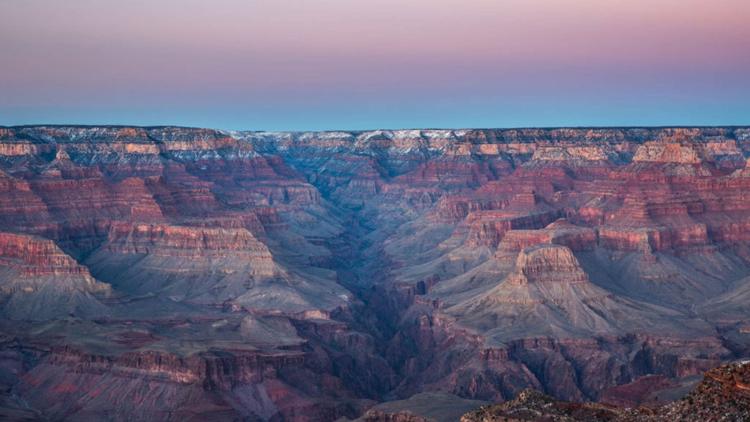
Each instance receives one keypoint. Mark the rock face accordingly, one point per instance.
(723, 395)
(174, 273)
(547, 264)
(531, 405)
(666, 152)
(39, 281)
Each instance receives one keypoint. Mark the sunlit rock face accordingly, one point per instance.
(309, 276)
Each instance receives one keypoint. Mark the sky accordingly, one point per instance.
(368, 64)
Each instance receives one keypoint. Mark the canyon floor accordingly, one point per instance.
(168, 273)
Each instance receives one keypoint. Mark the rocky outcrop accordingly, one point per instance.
(721, 396)
(559, 233)
(490, 227)
(188, 242)
(532, 405)
(38, 281)
(653, 239)
(723, 393)
(666, 152)
(36, 256)
(547, 264)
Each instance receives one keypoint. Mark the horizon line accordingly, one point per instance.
(503, 128)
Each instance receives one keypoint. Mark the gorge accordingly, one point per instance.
(170, 273)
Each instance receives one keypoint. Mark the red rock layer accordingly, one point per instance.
(35, 256)
(183, 241)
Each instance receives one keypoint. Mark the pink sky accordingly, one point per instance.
(270, 61)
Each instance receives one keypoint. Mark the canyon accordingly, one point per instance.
(170, 273)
